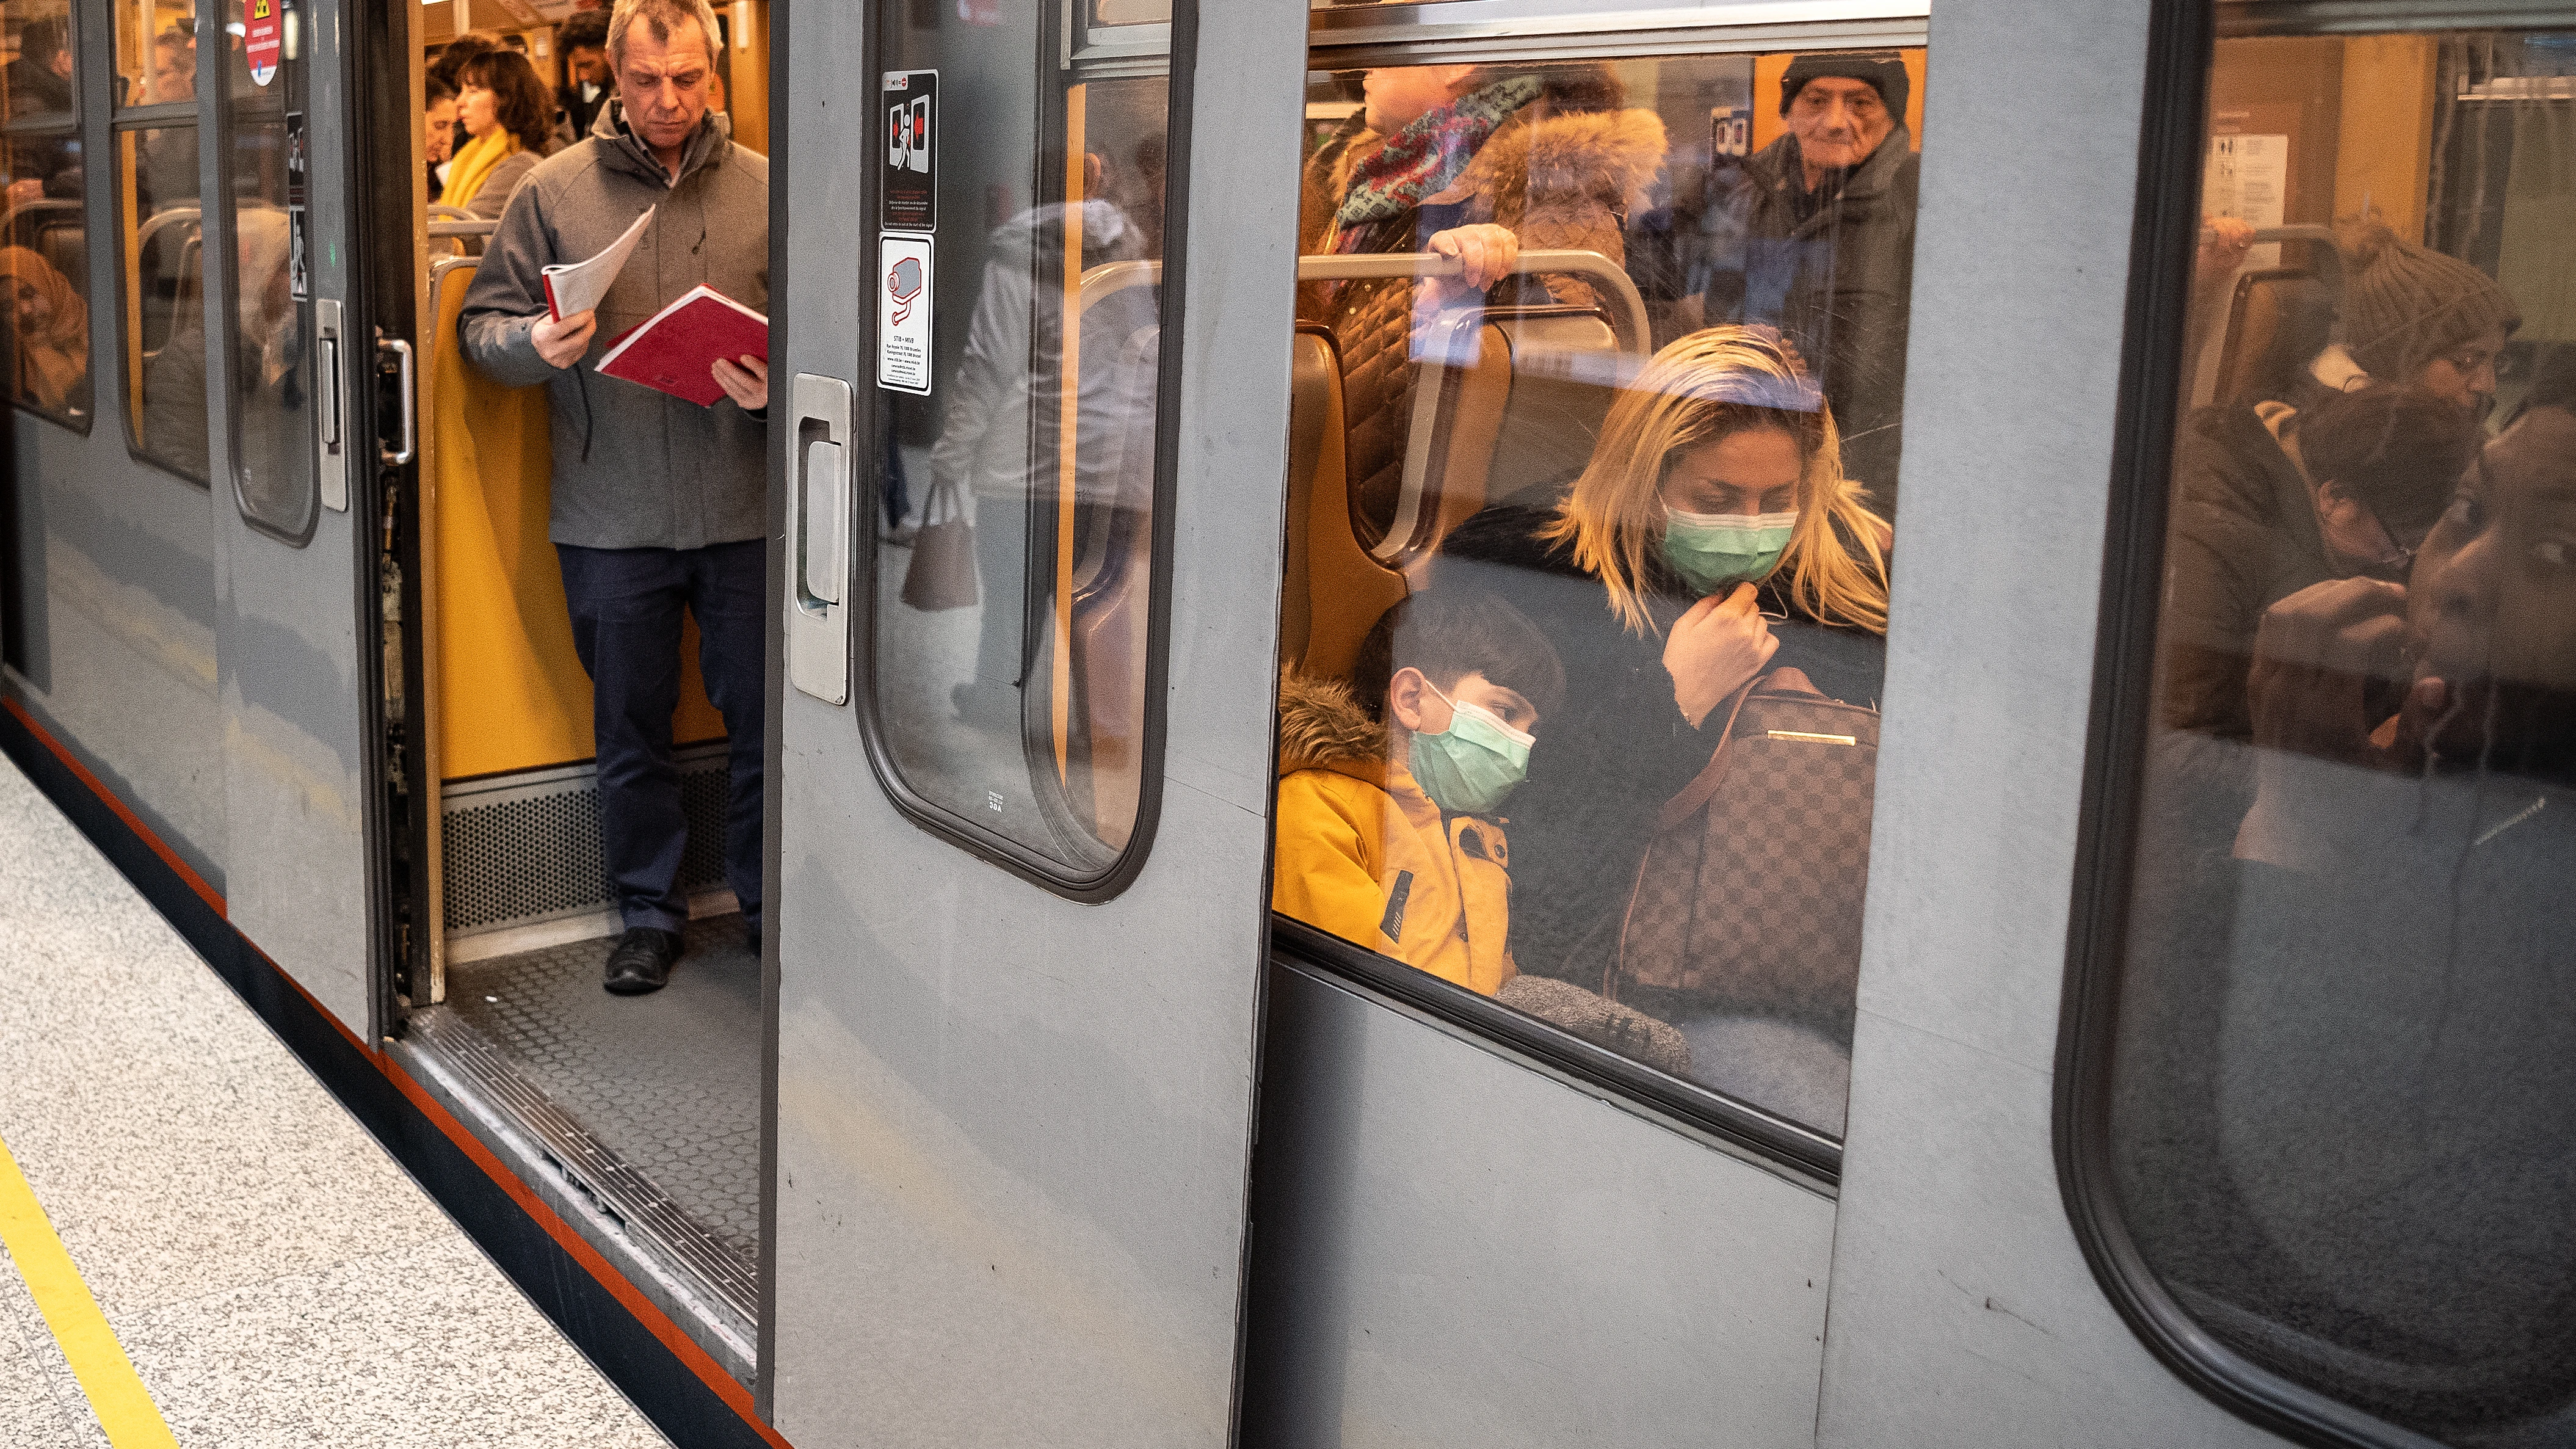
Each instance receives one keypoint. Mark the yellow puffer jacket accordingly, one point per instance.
(1364, 854)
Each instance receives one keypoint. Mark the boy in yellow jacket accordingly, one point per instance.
(1388, 785)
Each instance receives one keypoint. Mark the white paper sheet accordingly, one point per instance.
(577, 286)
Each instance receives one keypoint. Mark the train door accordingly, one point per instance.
(287, 329)
(1024, 742)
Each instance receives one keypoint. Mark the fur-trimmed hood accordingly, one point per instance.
(1321, 726)
(1546, 162)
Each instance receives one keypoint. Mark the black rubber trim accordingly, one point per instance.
(1746, 1126)
(2180, 35)
(773, 785)
(678, 1402)
(869, 420)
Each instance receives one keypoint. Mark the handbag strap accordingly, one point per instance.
(1711, 775)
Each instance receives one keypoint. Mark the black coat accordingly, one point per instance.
(1608, 758)
(1837, 276)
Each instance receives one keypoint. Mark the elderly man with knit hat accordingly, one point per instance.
(1828, 251)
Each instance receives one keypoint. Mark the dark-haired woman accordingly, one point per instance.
(509, 117)
(1472, 162)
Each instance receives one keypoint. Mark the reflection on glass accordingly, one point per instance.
(156, 52)
(161, 242)
(275, 475)
(2344, 1082)
(44, 257)
(36, 82)
(1586, 609)
(1010, 629)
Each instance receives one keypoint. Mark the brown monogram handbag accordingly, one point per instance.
(1748, 899)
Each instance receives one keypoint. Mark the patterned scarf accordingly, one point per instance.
(1423, 159)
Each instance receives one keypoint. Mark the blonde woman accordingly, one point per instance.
(1712, 537)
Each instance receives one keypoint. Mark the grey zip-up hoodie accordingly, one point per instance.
(633, 468)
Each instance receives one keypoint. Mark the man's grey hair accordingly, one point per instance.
(660, 17)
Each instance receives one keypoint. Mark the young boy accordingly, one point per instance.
(1387, 833)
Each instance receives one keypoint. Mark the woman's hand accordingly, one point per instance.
(1714, 649)
(2324, 662)
(562, 341)
(1486, 250)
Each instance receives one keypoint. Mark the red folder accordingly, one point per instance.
(675, 349)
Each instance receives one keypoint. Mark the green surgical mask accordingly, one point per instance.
(1468, 768)
(1713, 550)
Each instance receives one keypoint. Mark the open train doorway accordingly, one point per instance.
(635, 1116)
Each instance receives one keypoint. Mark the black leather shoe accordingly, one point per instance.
(642, 961)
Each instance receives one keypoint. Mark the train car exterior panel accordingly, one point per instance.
(1456, 1249)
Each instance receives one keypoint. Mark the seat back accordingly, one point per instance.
(1509, 419)
(1334, 590)
(2277, 320)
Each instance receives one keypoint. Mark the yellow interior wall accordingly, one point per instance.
(1768, 69)
(512, 693)
(2385, 150)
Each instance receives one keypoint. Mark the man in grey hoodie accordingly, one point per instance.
(659, 505)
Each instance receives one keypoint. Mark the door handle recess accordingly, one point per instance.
(330, 394)
(818, 491)
(410, 407)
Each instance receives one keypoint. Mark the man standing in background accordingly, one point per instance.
(1828, 250)
(582, 41)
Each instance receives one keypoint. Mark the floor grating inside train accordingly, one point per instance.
(648, 1105)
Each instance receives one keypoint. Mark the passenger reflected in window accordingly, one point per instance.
(1008, 388)
(174, 384)
(1824, 219)
(48, 333)
(1713, 545)
(2346, 489)
(1473, 162)
(167, 171)
(2348, 1151)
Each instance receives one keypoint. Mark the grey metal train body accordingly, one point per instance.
(1065, 1138)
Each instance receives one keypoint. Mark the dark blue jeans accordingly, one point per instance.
(626, 605)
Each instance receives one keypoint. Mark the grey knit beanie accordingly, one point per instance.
(2405, 305)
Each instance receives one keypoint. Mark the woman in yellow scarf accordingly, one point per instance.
(49, 324)
(510, 118)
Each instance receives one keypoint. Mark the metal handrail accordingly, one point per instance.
(1630, 322)
(9, 218)
(477, 227)
(161, 221)
(439, 209)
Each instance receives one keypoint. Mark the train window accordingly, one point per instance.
(1591, 478)
(266, 328)
(2331, 1078)
(160, 235)
(1009, 644)
(44, 249)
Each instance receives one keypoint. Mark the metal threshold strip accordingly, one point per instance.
(701, 1280)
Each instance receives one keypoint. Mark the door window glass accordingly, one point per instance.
(267, 327)
(2345, 1047)
(44, 239)
(1021, 304)
(1597, 373)
(156, 53)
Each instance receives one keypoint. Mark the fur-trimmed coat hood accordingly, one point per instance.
(1559, 177)
(1321, 724)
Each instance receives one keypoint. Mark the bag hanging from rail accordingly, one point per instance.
(1749, 895)
(942, 572)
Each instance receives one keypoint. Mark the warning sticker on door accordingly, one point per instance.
(908, 198)
(263, 36)
(903, 313)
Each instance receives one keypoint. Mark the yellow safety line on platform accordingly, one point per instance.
(124, 1407)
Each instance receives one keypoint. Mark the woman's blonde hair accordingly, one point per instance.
(1702, 388)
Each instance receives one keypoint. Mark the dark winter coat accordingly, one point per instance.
(1560, 178)
(1838, 282)
(1607, 761)
(633, 468)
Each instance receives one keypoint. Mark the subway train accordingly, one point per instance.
(1365, 841)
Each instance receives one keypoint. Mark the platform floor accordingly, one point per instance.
(671, 1081)
(273, 1277)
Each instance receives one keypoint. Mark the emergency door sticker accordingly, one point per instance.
(908, 199)
(263, 36)
(903, 313)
